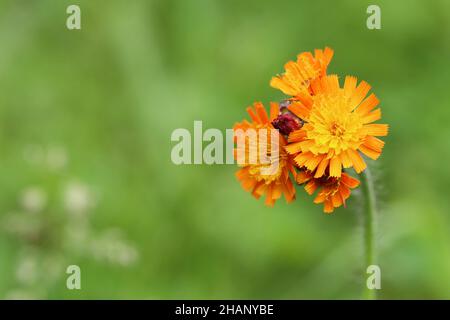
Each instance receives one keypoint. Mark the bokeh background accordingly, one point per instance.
(86, 175)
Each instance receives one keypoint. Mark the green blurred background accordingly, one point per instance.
(86, 175)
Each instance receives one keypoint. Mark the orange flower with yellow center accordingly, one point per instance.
(269, 174)
(338, 127)
(333, 191)
(298, 75)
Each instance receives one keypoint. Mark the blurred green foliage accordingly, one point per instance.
(110, 95)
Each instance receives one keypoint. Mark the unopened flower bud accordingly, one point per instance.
(286, 123)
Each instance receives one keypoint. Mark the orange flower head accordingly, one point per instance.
(261, 154)
(338, 127)
(333, 192)
(298, 75)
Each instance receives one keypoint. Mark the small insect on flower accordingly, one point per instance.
(298, 75)
(266, 166)
(333, 191)
(338, 127)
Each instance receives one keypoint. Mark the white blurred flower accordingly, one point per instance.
(113, 248)
(125, 255)
(22, 294)
(33, 199)
(26, 271)
(77, 233)
(24, 226)
(53, 264)
(78, 198)
(56, 158)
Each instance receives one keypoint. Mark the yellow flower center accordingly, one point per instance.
(332, 125)
(269, 172)
(268, 167)
(336, 129)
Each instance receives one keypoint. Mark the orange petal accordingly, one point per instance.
(248, 184)
(293, 148)
(374, 143)
(313, 162)
(252, 114)
(335, 167)
(359, 94)
(297, 135)
(336, 200)
(328, 206)
(367, 105)
(303, 176)
(269, 199)
(300, 110)
(357, 160)
(302, 158)
(345, 191)
(321, 168)
(274, 110)
(346, 162)
(327, 54)
(372, 154)
(289, 191)
(376, 129)
(324, 57)
(349, 85)
(349, 181)
(332, 82)
(280, 84)
(372, 116)
(276, 191)
(320, 197)
(259, 189)
(261, 111)
(311, 186)
(242, 173)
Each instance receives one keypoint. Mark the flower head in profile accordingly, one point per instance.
(299, 74)
(333, 191)
(260, 152)
(338, 127)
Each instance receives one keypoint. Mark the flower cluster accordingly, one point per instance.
(324, 129)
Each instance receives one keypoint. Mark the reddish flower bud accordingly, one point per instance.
(286, 123)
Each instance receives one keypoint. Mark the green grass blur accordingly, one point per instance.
(95, 108)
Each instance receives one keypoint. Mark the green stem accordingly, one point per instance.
(370, 212)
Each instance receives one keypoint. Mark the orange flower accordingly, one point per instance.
(271, 176)
(338, 127)
(333, 191)
(298, 75)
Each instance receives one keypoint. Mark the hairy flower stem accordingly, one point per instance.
(369, 227)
